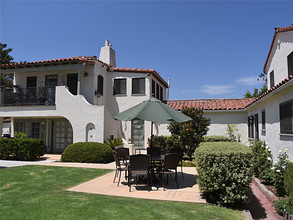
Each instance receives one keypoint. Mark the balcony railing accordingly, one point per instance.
(28, 96)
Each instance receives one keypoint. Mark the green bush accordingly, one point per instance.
(262, 157)
(269, 176)
(87, 152)
(288, 182)
(215, 138)
(21, 148)
(166, 143)
(224, 171)
(283, 207)
(280, 169)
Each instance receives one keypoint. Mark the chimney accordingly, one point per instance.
(107, 54)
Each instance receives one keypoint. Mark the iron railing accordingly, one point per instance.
(27, 96)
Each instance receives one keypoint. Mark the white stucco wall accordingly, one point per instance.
(278, 58)
(272, 134)
(75, 109)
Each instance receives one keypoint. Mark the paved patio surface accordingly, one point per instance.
(188, 190)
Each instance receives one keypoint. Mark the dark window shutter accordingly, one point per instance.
(153, 88)
(263, 120)
(138, 86)
(290, 64)
(100, 84)
(286, 118)
(272, 79)
(161, 93)
(157, 91)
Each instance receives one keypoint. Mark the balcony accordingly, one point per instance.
(27, 96)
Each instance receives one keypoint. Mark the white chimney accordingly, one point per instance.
(107, 54)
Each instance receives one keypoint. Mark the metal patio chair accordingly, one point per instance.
(170, 163)
(119, 167)
(179, 151)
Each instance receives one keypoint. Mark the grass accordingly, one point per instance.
(39, 192)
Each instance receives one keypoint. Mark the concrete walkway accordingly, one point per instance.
(188, 190)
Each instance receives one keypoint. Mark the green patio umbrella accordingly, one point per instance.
(152, 110)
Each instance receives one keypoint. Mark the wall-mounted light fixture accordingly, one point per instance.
(85, 74)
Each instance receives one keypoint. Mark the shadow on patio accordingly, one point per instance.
(188, 190)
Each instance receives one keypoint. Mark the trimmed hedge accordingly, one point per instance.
(225, 171)
(288, 182)
(88, 152)
(215, 138)
(21, 148)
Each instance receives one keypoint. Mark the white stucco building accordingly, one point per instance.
(70, 100)
(268, 117)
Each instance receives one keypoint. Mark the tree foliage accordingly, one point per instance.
(5, 58)
(190, 133)
(256, 92)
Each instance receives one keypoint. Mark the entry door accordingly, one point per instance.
(63, 135)
(72, 83)
(137, 133)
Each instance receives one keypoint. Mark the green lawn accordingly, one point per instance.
(38, 192)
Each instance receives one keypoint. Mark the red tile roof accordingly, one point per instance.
(277, 30)
(285, 81)
(78, 59)
(212, 104)
(151, 71)
(82, 59)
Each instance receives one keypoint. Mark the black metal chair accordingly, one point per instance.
(179, 151)
(138, 166)
(119, 167)
(154, 151)
(170, 163)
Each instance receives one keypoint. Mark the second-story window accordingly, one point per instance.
(157, 91)
(119, 86)
(153, 88)
(161, 93)
(138, 86)
(272, 79)
(290, 64)
(100, 85)
(263, 120)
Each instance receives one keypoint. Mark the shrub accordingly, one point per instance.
(269, 176)
(21, 148)
(225, 171)
(288, 182)
(87, 152)
(283, 207)
(215, 138)
(232, 132)
(262, 157)
(190, 133)
(113, 143)
(280, 169)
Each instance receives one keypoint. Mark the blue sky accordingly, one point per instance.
(209, 49)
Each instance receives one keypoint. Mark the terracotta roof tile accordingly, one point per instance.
(277, 30)
(212, 104)
(151, 71)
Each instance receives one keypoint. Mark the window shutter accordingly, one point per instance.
(272, 79)
(153, 88)
(290, 64)
(286, 118)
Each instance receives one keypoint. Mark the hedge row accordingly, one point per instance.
(21, 148)
(288, 182)
(88, 152)
(225, 171)
(215, 138)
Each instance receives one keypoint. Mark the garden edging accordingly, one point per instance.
(267, 193)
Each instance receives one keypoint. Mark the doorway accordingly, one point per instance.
(72, 83)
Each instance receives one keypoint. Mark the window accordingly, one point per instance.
(35, 130)
(138, 86)
(272, 79)
(290, 64)
(161, 93)
(119, 86)
(100, 85)
(153, 88)
(157, 91)
(31, 82)
(250, 127)
(286, 117)
(263, 120)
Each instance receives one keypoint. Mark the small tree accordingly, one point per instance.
(5, 58)
(190, 133)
